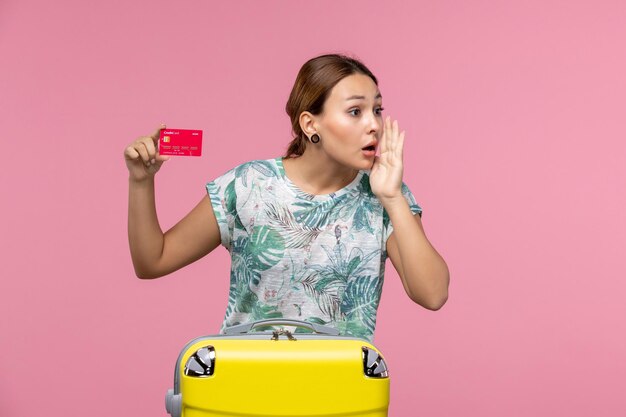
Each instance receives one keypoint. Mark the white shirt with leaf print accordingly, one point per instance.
(316, 258)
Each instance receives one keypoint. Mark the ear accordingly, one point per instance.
(308, 123)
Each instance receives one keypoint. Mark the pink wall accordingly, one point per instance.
(515, 148)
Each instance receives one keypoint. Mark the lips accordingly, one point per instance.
(370, 146)
(369, 150)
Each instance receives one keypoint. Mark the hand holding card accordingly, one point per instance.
(180, 142)
(142, 157)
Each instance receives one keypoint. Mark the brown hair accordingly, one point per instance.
(315, 80)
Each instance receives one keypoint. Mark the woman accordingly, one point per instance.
(308, 233)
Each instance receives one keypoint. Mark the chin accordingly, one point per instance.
(357, 164)
(367, 164)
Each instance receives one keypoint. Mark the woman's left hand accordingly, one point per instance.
(386, 173)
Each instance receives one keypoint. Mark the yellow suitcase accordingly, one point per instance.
(278, 372)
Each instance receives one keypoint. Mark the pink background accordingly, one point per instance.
(515, 148)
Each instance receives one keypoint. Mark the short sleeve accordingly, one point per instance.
(415, 209)
(221, 191)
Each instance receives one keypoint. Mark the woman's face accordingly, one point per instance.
(351, 120)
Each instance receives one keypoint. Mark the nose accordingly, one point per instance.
(374, 124)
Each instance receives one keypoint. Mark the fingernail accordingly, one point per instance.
(153, 161)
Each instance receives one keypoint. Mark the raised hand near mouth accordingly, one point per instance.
(386, 172)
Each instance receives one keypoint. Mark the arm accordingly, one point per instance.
(423, 271)
(155, 254)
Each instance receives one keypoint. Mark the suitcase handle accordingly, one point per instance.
(246, 327)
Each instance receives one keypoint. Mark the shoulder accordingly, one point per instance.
(256, 169)
(250, 172)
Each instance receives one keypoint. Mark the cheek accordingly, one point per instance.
(342, 130)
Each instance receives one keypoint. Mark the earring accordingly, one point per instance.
(315, 138)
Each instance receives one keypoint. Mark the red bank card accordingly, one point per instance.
(180, 142)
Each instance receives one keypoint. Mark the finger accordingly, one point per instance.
(400, 147)
(383, 139)
(157, 133)
(162, 158)
(390, 135)
(141, 148)
(150, 147)
(393, 144)
(131, 153)
(383, 142)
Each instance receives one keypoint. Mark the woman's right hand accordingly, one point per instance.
(142, 156)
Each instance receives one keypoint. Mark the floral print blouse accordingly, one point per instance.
(315, 258)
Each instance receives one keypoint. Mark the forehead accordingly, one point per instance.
(354, 88)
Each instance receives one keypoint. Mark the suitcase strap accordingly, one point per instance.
(277, 333)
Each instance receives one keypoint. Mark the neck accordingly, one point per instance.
(315, 173)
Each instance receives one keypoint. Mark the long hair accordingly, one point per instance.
(315, 80)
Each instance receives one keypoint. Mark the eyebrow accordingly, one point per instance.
(362, 97)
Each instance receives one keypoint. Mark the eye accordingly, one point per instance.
(379, 110)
